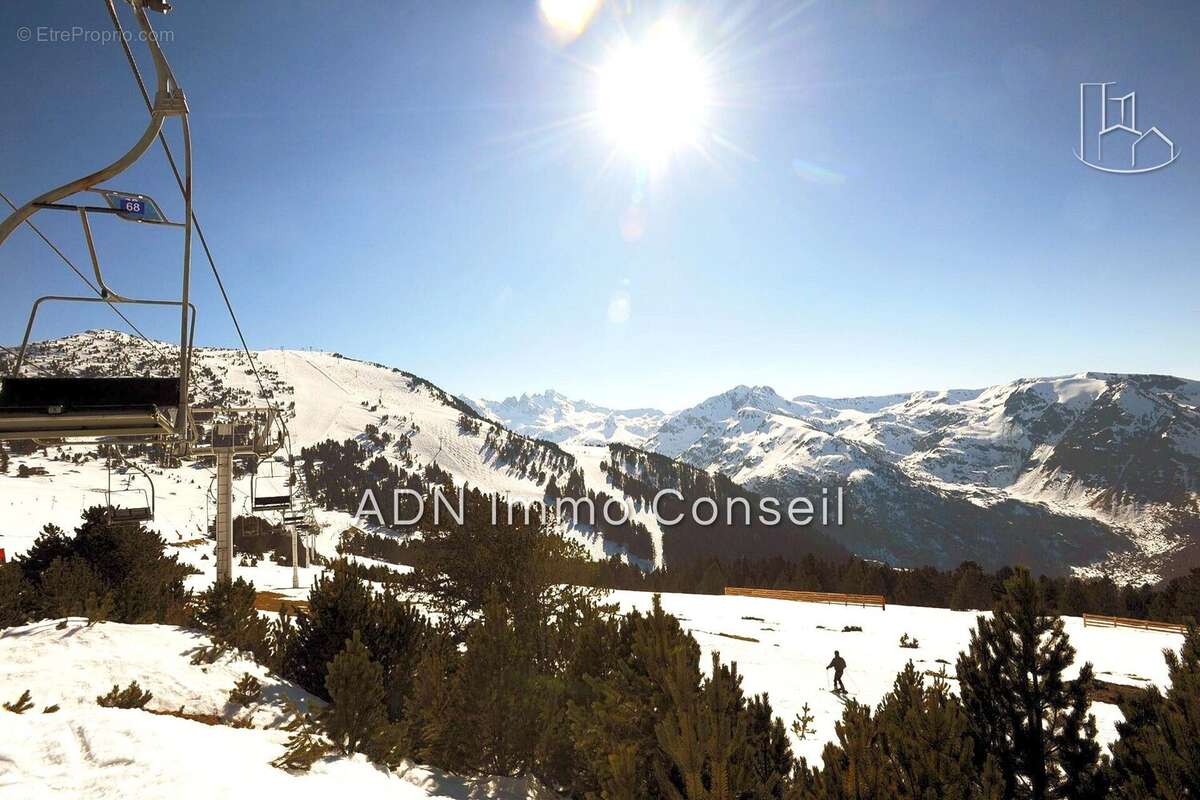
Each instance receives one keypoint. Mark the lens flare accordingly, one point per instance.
(567, 19)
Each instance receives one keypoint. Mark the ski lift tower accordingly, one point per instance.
(231, 433)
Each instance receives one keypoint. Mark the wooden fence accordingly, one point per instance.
(832, 598)
(1101, 621)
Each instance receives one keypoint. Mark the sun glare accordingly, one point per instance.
(654, 95)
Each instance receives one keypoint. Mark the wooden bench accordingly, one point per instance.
(832, 598)
(1102, 621)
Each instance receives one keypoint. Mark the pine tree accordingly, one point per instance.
(1158, 754)
(226, 612)
(132, 696)
(926, 739)
(247, 691)
(705, 735)
(13, 591)
(339, 604)
(429, 724)
(802, 725)
(854, 767)
(769, 751)
(915, 746)
(356, 720)
(493, 700)
(1022, 710)
(614, 729)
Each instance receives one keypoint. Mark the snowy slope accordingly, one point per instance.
(1104, 469)
(83, 750)
(1089, 472)
(782, 648)
(324, 396)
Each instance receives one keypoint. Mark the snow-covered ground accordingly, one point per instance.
(782, 648)
(82, 750)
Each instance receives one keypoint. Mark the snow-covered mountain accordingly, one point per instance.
(391, 414)
(552, 416)
(1099, 466)
(1092, 471)
(1096, 470)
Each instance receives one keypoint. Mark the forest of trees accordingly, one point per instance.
(967, 588)
(339, 473)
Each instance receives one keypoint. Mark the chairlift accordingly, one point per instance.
(130, 505)
(86, 408)
(271, 492)
(62, 408)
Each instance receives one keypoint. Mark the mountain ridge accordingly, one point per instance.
(1094, 471)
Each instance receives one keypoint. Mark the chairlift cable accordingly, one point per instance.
(81, 276)
(162, 139)
(195, 220)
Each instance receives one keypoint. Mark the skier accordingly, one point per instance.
(838, 665)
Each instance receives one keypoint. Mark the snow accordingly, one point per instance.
(958, 441)
(783, 649)
(552, 416)
(985, 445)
(72, 665)
(795, 641)
(83, 750)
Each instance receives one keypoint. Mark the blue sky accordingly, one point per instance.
(895, 204)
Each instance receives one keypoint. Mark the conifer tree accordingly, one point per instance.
(615, 730)
(13, 591)
(493, 701)
(1021, 708)
(854, 767)
(226, 612)
(132, 696)
(21, 704)
(356, 720)
(770, 752)
(718, 746)
(916, 746)
(1158, 754)
(926, 739)
(802, 725)
(429, 725)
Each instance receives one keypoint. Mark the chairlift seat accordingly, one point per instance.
(86, 394)
(270, 503)
(53, 408)
(130, 514)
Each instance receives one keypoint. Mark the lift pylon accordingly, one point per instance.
(228, 433)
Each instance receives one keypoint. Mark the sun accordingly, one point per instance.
(653, 95)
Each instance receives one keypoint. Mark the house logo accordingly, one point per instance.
(1109, 137)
